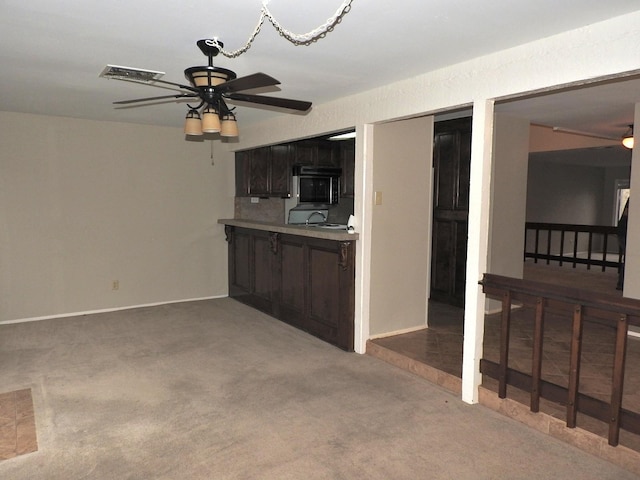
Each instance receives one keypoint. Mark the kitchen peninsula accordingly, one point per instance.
(302, 275)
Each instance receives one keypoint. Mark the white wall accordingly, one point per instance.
(562, 193)
(508, 197)
(632, 257)
(400, 236)
(84, 203)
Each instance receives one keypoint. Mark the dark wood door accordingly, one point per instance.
(451, 161)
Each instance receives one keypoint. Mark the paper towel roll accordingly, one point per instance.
(351, 224)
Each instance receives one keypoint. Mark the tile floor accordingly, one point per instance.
(17, 424)
(440, 347)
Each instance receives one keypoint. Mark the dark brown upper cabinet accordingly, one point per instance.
(316, 152)
(264, 172)
(280, 174)
(347, 155)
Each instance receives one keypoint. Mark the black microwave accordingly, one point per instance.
(317, 185)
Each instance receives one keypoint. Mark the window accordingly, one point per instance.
(622, 195)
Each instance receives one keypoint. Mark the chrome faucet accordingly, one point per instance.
(317, 212)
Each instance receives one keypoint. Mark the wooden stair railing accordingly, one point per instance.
(600, 239)
(579, 306)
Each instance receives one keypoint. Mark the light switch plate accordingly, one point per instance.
(377, 198)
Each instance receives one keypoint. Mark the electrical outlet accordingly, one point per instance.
(255, 199)
(115, 285)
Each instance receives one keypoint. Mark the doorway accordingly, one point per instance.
(451, 164)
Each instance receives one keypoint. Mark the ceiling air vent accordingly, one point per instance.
(133, 74)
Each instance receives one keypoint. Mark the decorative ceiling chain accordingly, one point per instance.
(297, 39)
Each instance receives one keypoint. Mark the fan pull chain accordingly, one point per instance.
(212, 162)
(297, 39)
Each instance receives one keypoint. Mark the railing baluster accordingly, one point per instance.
(504, 344)
(536, 360)
(574, 367)
(582, 307)
(558, 254)
(617, 383)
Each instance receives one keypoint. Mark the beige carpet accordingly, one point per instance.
(216, 390)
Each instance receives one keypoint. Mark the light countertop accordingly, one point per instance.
(302, 230)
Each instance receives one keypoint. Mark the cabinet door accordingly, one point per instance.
(259, 171)
(242, 173)
(251, 262)
(347, 150)
(330, 292)
(292, 279)
(263, 260)
(304, 153)
(280, 181)
(240, 263)
(327, 154)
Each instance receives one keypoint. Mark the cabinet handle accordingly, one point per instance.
(274, 241)
(345, 248)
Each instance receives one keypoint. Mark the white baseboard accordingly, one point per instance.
(398, 332)
(106, 310)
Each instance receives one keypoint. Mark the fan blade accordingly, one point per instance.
(148, 99)
(273, 101)
(179, 85)
(255, 80)
(152, 82)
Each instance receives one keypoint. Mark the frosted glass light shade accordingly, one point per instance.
(192, 123)
(210, 120)
(229, 126)
(208, 76)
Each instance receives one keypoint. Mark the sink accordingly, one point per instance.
(335, 226)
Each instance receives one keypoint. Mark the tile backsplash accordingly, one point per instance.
(266, 210)
(272, 210)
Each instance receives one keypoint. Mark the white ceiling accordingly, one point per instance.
(52, 51)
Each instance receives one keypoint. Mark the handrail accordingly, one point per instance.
(598, 240)
(579, 306)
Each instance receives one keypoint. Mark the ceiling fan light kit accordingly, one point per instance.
(213, 86)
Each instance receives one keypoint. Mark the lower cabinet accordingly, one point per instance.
(305, 281)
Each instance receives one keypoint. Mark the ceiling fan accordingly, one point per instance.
(211, 86)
